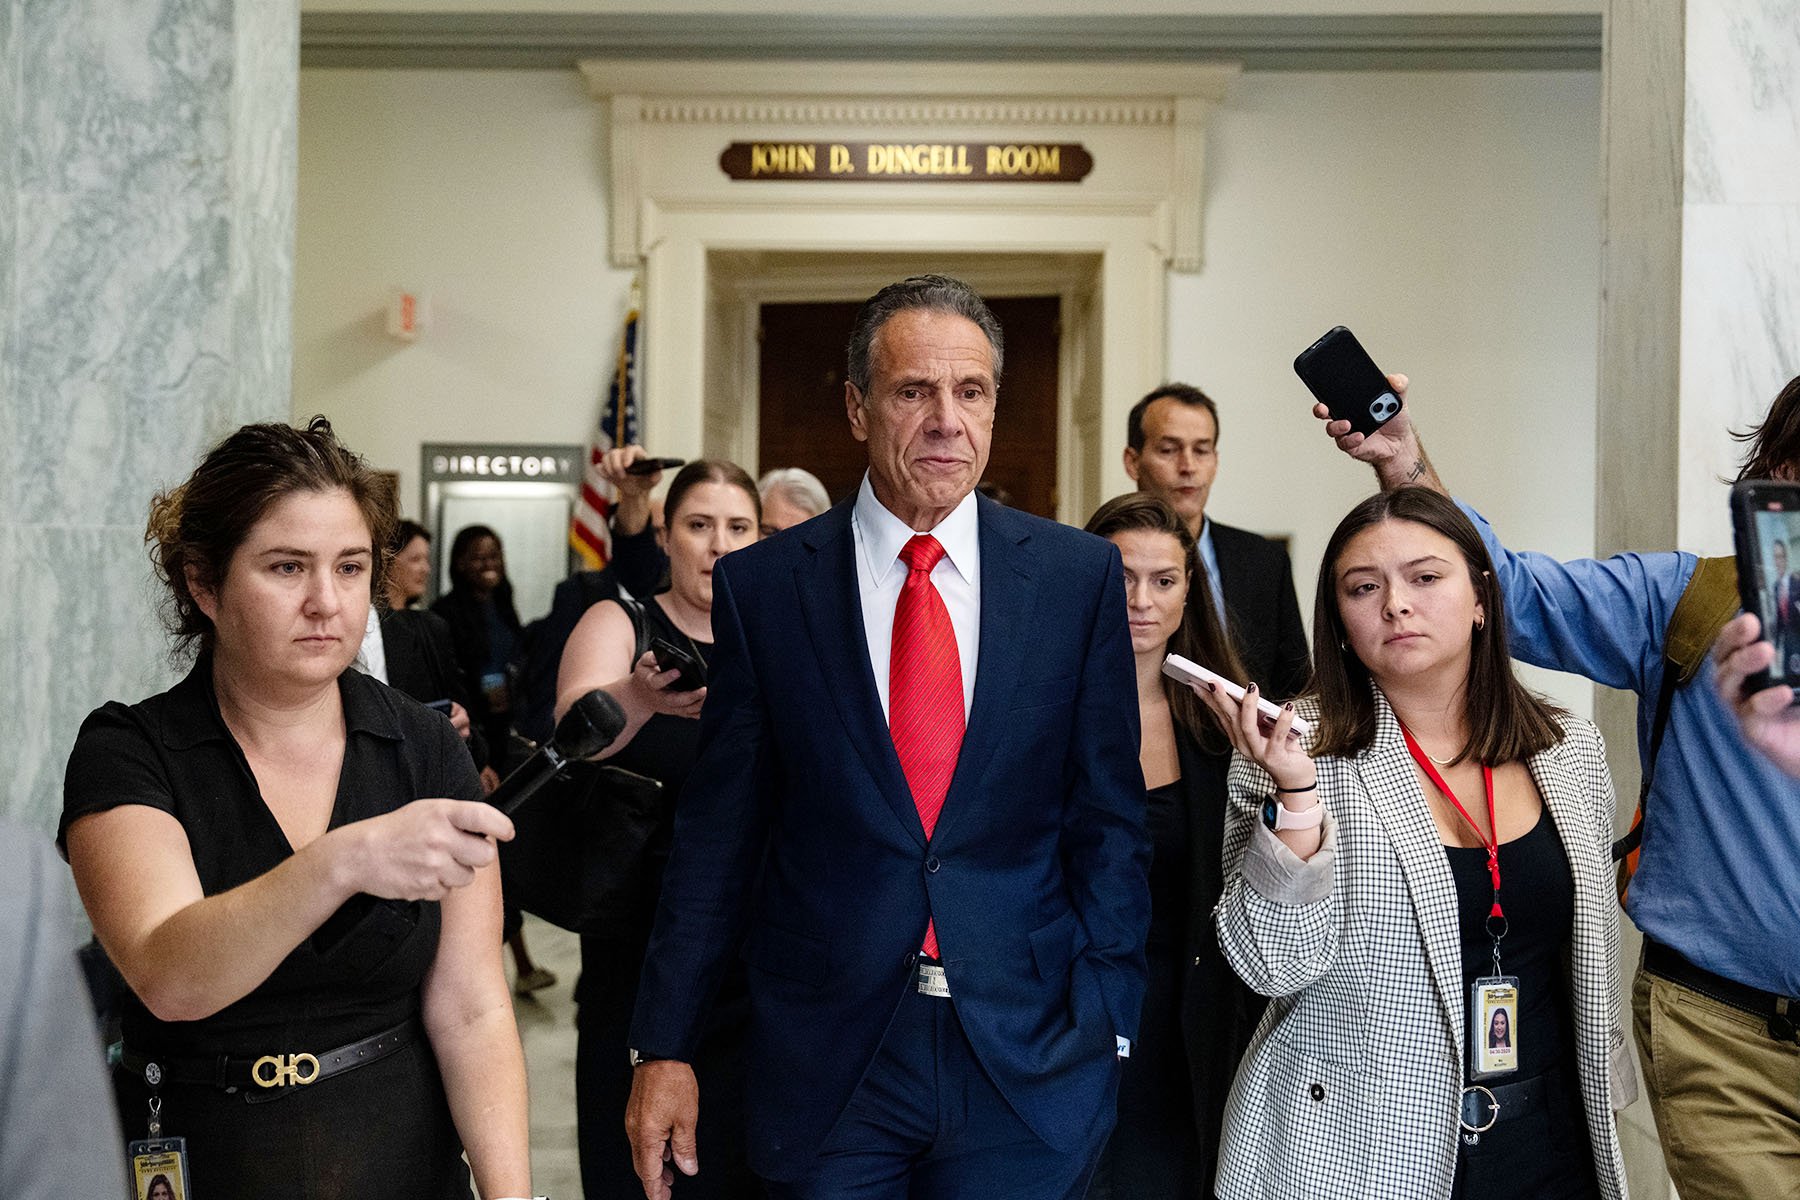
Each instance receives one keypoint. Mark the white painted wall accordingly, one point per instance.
(1451, 219)
(1452, 222)
(483, 190)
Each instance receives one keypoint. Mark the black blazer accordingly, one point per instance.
(421, 663)
(1218, 1012)
(1265, 617)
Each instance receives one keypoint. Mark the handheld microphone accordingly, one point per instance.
(587, 728)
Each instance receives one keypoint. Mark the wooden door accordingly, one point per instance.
(801, 391)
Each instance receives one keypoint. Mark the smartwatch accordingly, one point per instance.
(1278, 816)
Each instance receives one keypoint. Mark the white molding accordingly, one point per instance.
(745, 110)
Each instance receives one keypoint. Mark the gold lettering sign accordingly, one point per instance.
(942, 162)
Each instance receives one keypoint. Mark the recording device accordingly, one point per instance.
(1186, 670)
(443, 706)
(670, 657)
(587, 728)
(1765, 517)
(1346, 380)
(650, 466)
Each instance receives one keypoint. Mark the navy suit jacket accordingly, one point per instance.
(797, 838)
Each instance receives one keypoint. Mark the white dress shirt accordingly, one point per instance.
(372, 658)
(880, 536)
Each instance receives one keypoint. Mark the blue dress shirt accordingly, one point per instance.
(1719, 876)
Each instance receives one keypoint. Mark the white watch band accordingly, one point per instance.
(1278, 816)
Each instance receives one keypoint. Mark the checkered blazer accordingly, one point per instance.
(1352, 1083)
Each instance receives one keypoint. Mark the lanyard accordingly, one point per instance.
(1490, 840)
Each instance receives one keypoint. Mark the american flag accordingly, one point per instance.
(589, 533)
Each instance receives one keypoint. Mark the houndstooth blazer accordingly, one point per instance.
(1352, 1083)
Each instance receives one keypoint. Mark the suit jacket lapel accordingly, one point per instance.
(1393, 788)
(831, 606)
(1589, 861)
(1008, 596)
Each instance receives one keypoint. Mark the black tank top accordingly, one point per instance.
(1538, 893)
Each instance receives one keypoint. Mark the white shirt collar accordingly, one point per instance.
(885, 535)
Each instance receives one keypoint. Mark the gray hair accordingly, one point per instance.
(933, 293)
(800, 488)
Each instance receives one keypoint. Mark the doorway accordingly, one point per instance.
(800, 398)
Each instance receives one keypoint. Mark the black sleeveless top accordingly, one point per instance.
(665, 748)
(1538, 893)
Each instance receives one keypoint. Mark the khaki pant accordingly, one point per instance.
(1726, 1094)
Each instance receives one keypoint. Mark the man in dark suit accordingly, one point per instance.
(918, 809)
(1172, 451)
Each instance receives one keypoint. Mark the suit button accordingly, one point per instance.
(1318, 1091)
(1196, 960)
(913, 958)
(931, 864)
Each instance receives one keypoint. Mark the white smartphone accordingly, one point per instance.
(1186, 670)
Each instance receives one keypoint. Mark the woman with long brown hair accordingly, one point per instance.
(1436, 850)
(1197, 1015)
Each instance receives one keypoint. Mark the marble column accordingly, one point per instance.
(1700, 306)
(147, 159)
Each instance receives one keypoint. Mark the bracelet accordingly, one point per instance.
(1281, 791)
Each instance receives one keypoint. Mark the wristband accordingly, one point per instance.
(1313, 786)
(1278, 816)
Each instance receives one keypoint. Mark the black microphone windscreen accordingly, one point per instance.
(589, 726)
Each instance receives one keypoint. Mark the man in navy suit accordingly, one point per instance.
(918, 810)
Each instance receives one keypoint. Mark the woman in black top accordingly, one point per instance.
(290, 865)
(484, 629)
(1198, 1015)
(712, 509)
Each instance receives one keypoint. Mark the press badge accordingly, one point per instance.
(158, 1164)
(1493, 1026)
(158, 1169)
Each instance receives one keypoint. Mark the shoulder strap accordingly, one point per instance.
(1709, 600)
(640, 624)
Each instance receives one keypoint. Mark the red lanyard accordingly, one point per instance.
(1489, 840)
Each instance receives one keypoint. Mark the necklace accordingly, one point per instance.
(1442, 762)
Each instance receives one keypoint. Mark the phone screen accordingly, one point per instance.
(1767, 520)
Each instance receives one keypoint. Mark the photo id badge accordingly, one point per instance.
(158, 1169)
(1493, 1026)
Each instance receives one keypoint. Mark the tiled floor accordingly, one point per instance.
(547, 1026)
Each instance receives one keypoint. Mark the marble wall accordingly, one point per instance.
(146, 220)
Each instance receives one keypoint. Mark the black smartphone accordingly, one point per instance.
(1346, 380)
(1765, 518)
(443, 706)
(650, 466)
(670, 657)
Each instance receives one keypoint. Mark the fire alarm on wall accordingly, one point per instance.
(407, 314)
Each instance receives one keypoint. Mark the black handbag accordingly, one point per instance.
(581, 851)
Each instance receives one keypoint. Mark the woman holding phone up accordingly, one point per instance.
(1437, 850)
(712, 509)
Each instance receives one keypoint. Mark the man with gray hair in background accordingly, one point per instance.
(790, 495)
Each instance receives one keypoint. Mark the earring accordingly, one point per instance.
(1480, 622)
(1343, 646)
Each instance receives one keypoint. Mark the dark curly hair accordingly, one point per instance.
(199, 525)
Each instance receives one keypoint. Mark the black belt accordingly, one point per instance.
(1779, 1011)
(1485, 1105)
(270, 1076)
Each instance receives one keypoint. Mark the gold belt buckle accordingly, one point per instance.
(284, 1069)
(1493, 1110)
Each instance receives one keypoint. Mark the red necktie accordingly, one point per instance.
(925, 690)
